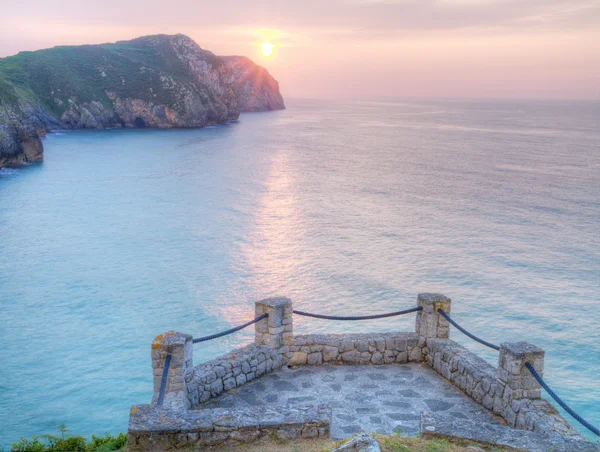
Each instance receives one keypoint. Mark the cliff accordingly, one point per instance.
(154, 81)
(254, 87)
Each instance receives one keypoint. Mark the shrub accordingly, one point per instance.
(52, 443)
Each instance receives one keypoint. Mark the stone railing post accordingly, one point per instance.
(430, 324)
(515, 379)
(179, 346)
(277, 330)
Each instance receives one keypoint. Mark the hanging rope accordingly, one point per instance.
(163, 382)
(567, 408)
(362, 317)
(461, 329)
(232, 330)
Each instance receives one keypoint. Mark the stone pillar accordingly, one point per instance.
(276, 331)
(515, 380)
(179, 346)
(430, 324)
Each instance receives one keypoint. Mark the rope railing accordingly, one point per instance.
(462, 330)
(232, 330)
(163, 381)
(361, 317)
(566, 407)
(539, 379)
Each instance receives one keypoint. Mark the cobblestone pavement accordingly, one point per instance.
(382, 399)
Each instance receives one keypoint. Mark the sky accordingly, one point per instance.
(360, 49)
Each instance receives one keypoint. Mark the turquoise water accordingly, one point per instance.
(348, 207)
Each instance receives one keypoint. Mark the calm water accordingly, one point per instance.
(348, 208)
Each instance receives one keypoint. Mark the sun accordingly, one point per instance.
(266, 49)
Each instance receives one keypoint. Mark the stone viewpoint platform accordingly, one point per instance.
(338, 385)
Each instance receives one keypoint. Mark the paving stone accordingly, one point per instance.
(403, 416)
(345, 417)
(377, 376)
(422, 383)
(248, 397)
(300, 400)
(397, 404)
(409, 393)
(459, 415)
(367, 410)
(285, 386)
(438, 405)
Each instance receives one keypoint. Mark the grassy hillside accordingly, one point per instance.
(129, 69)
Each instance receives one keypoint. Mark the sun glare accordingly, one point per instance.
(266, 49)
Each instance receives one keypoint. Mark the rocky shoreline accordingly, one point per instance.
(161, 81)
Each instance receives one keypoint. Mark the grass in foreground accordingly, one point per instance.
(66, 443)
(109, 443)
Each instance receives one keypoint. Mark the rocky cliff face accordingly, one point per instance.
(153, 81)
(21, 125)
(255, 89)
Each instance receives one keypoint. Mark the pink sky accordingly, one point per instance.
(354, 48)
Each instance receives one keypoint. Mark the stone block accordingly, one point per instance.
(330, 353)
(314, 359)
(389, 356)
(401, 358)
(229, 384)
(298, 359)
(415, 355)
(352, 357)
(377, 358)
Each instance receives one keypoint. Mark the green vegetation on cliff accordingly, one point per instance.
(130, 69)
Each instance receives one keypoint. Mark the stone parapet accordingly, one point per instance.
(375, 348)
(467, 371)
(152, 430)
(230, 371)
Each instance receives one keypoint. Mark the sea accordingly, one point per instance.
(346, 207)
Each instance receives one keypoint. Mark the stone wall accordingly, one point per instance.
(162, 430)
(362, 349)
(230, 371)
(491, 387)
